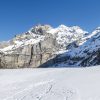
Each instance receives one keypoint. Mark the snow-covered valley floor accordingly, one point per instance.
(50, 84)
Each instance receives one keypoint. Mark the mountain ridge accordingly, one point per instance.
(46, 46)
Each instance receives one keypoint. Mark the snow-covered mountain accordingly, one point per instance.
(64, 36)
(87, 54)
(44, 46)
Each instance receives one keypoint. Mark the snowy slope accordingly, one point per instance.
(50, 84)
(92, 44)
(88, 52)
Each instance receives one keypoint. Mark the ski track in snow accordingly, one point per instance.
(29, 93)
(50, 84)
(30, 87)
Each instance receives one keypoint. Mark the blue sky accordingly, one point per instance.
(17, 16)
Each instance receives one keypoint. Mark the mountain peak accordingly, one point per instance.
(40, 29)
(62, 26)
(98, 28)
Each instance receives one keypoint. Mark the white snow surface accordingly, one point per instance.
(50, 84)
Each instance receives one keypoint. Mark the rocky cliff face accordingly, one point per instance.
(30, 49)
(44, 46)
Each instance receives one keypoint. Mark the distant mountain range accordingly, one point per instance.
(45, 46)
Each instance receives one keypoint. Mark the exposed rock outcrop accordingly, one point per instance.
(31, 55)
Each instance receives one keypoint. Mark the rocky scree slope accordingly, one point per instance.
(44, 46)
